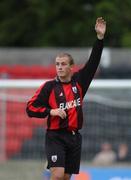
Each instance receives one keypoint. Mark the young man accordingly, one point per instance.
(61, 101)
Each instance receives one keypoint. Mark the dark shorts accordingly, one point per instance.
(63, 149)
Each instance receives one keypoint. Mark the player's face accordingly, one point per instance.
(63, 67)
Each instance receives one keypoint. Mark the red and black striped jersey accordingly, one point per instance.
(68, 96)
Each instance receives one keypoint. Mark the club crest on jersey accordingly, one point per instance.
(74, 89)
(54, 158)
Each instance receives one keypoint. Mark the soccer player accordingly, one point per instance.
(60, 100)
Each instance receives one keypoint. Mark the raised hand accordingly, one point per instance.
(100, 27)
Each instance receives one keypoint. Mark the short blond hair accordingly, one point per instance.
(66, 55)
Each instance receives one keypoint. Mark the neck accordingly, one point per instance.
(65, 79)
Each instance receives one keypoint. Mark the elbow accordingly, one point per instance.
(28, 112)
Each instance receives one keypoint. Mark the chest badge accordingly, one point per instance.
(74, 89)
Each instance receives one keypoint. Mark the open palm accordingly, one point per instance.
(100, 26)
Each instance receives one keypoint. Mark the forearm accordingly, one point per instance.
(94, 58)
(37, 111)
(38, 105)
(87, 73)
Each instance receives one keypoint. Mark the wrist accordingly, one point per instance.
(51, 111)
(100, 36)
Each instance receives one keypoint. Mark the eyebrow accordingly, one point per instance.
(63, 62)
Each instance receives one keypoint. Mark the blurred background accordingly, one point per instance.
(32, 33)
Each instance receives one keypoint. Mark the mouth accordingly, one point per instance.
(60, 71)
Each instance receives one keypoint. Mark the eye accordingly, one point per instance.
(57, 63)
(63, 63)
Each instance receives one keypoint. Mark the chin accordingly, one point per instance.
(61, 75)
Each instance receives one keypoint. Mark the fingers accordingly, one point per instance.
(58, 112)
(100, 20)
(62, 113)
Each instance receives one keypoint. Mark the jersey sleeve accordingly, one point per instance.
(38, 105)
(86, 74)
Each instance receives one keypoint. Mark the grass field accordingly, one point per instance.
(32, 169)
(21, 170)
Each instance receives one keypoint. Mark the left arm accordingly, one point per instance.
(86, 74)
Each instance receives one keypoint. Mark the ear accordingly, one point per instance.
(72, 66)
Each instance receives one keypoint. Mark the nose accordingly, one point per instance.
(59, 66)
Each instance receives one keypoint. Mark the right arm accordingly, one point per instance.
(38, 105)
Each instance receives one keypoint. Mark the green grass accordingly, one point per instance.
(32, 169)
(21, 170)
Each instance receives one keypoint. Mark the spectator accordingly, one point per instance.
(106, 156)
(123, 153)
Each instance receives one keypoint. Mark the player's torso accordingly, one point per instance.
(69, 98)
